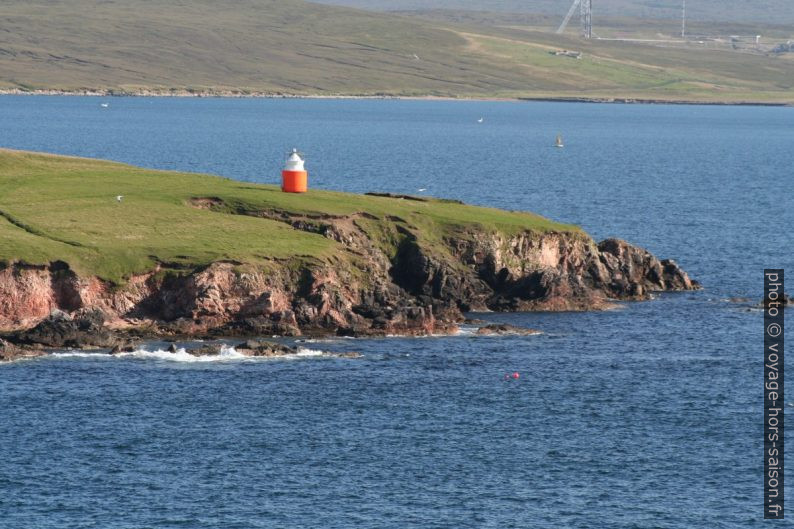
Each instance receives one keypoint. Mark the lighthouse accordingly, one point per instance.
(294, 178)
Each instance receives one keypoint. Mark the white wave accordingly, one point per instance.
(226, 354)
(305, 351)
(181, 355)
(417, 336)
(473, 332)
(467, 330)
(79, 354)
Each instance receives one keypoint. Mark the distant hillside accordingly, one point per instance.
(606, 26)
(295, 47)
(266, 45)
(761, 11)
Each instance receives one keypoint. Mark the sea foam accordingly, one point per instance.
(227, 354)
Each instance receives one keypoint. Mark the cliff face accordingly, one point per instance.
(389, 279)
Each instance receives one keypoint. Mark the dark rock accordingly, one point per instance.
(634, 271)
(261, 348)
(126, 347)
(350, 331)
(211, 349)
(249, 344)
(205, 350)
(10, 352)
(506, 329)
(84, 328)
(783, 301)
(279, 325)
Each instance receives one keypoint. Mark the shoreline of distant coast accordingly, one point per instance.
(241, 94)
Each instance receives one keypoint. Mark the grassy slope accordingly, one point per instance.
(617, 69)
(261, 45)
(64, 208)
(290, 46)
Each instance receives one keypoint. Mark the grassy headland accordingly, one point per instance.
(299, 48)
(57, 208)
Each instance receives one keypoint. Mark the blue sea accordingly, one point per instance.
(649, 416)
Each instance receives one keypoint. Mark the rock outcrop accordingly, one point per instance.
(82, 329)
(260, 348)
(254, 348)
(10, 352)
(505, 329)
(404, 282)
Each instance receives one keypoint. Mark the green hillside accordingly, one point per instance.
(56, 208)
(285, 46)
(300, 48)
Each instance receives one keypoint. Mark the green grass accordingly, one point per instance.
(301, 48)
(633, 70)
(64, 208)
(274, 46)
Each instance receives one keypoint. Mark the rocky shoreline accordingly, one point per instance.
(86, 331)
(10, 351)
(412, 288)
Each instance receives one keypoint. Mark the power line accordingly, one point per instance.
(585, 17)
(683, 19)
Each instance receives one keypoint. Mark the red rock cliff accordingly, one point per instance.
(411, 287)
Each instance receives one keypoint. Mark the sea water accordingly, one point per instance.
(646, 416)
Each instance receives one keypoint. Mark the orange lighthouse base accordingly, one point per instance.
(294, 181)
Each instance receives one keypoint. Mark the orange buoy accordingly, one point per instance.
(294, 178)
